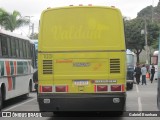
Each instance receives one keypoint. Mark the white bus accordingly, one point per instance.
(17, 62)
(154, 60)
(35, 41)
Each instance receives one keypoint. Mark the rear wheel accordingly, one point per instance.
(131, 85)
(25, 96)
(1, 100)
(30, 86)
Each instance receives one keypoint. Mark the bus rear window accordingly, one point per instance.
(96, 29)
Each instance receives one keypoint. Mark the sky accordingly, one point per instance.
(33, 8)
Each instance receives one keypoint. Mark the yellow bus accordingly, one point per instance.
(81, 59)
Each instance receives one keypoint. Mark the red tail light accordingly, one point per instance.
(46, 88)
(116, 87)
(102, 88)
(61, 89)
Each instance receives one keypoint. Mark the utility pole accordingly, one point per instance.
(152, 11)
(30, 26)
(146, 41)
(144, 31)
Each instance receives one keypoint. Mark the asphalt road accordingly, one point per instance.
(140, 98)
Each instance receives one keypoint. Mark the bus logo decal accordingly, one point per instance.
(81, 64)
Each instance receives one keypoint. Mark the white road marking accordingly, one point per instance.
(139, 104)
(19, 105)
(137, 89)
(139, 100)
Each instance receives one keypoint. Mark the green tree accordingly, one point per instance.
(146, 12)
(3, 14)
(11, 21)
(34, 36)
(152, 14)
(153, 33)
(135, 40)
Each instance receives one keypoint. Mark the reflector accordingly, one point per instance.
(46, 88)
(115, 87)
(102, 88)
(60, 88)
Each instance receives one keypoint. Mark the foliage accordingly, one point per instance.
(134, 39)
(146, 12)
(153, 33)
(3, 14)
(11, 21)
(34, 36)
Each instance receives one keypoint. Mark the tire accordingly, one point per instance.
(30, 86)
(131, 86)
(25, 96)
(128, 86)
(1, 100)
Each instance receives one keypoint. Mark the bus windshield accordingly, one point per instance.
(130, 59)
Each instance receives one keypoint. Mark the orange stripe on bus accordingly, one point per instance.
(64, 61)
(8, 74)
(15, 68)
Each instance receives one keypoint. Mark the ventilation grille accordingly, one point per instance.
(47, 67)
(114, 65)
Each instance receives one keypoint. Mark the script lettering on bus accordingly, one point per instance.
(81, 64)
(78, 32)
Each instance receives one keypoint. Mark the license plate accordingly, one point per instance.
(81, 82)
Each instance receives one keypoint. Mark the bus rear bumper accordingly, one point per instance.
(81, 102)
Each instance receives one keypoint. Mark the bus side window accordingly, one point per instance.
(9, 46)
(24, 49)
(0, 47)
(33, 55)
(27, 48)
(17, 48)
(21, 48)
(13, 47)
(4, 46)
